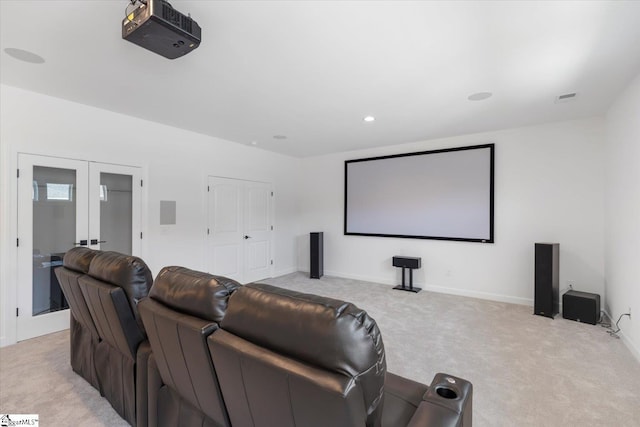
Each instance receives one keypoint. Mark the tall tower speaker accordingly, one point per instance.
(547, 279)
(317, 257)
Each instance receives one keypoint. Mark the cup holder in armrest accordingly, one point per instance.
(446, 392)
(452, 393)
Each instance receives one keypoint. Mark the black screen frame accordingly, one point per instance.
(491, 147)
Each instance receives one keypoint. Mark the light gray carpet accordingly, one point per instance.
(36, 378)
(526, 370)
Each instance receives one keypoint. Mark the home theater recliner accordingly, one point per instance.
(103, 289)
(183, 309)
(222, 354)
(287, 359)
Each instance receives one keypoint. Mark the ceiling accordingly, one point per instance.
(312, 70)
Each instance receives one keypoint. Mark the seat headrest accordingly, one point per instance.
(125, 271)
(324, 332)
(78, 259)
(193, 292)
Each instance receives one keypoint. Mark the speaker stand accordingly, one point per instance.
(409, 288)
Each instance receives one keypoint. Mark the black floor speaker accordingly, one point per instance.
(316, 262)
(581, 306)
(547, 279)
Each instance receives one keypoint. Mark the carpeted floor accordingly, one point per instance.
(526, 370)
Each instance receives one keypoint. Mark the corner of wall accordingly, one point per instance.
(7, 249)
(622, 203)
(631, 346)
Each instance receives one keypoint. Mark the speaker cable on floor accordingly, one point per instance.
(610, 330)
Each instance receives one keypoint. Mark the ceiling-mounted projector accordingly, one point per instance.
(157, 26)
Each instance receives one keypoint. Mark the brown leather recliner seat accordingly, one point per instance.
(84, 336)
(112, 288)
(289, 359)
(184, 307)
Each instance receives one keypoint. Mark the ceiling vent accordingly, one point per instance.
(565, 98)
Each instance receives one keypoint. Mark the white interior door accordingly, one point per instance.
(52, 218)
(257, 231)
(115, 208)
(240, 230)
(225, 227)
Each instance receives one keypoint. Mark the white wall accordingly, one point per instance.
(176, 164)
(548, 188)
(622, 217)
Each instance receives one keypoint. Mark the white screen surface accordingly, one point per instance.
(443, 194)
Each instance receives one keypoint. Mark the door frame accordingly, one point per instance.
(8, 250)
(209, 232)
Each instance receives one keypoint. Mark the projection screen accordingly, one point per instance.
(441, 194)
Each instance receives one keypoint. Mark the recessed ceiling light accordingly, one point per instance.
(369, 119)
(24, 55)
(479, 96)
(279, 136)
(254, 142)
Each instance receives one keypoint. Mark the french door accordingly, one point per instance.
(240, 230)
(64, 203)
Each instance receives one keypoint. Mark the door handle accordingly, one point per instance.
(96, 241)
(247, 237)
(81, 243)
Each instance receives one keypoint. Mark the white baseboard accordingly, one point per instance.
(441, 289)
(284, 271)
(480, 295)
(357, 277)
(5, 341)
(630, 345)
(625, 339)
(633, 348)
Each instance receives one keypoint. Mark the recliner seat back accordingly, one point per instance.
(291, 359)
(183, 309)
(114, 285)
(112, 288)
(84, 334)
(75, 264)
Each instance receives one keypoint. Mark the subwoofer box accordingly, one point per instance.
(581, 306)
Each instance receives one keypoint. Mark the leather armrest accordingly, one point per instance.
(447, 403)
(429, 415)
(402, 397)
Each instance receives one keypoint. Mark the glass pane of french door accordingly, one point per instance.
(52, 218)
(114, 208)
(115, 212)
(54, 228)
